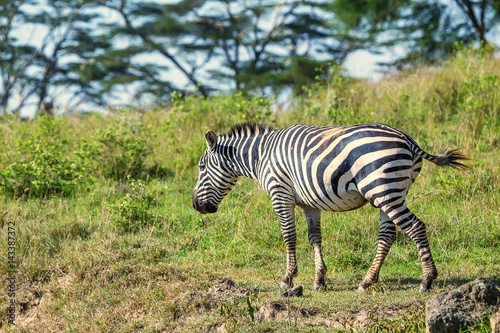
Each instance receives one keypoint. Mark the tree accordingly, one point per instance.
(35, 70)
(14, 58)
(253, 43)
(482, 15)
(152, 28)
(429, 29)
(260, 43)
(366, 24)
(151, 49)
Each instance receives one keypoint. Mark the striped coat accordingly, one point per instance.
(337, 168)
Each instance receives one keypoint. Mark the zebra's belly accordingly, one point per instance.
(340, 202)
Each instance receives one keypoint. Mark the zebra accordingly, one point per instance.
(334, 168)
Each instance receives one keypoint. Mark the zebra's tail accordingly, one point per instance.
(450, 158)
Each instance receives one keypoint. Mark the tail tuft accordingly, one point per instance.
(450, 158)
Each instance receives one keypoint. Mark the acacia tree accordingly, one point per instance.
(14, 58)
(255, 44)
(34, 67)
(429, 29)
(151, 49)
(67, 29)
(275, 44)
(482, 16)
(151, 28)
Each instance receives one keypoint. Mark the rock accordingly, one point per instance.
(294, 292)
(448, 319)
(495, 322)
(460, 308)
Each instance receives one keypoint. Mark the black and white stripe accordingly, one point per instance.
(337, 168)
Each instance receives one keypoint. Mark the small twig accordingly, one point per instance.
(424, 195)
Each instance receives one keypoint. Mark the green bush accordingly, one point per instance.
(132, 211)
(119, 151)
(41, 165)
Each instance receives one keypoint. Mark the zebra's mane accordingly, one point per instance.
(248, 129)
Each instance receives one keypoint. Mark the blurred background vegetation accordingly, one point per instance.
(64, 55)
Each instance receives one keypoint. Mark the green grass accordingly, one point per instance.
(80, 271)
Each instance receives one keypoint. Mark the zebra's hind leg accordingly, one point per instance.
(404, 218)
(313, 218)
(386, 237)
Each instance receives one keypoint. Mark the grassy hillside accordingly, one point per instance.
(106, 238)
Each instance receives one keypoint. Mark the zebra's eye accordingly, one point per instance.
(202, 167)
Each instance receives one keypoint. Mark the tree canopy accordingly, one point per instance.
(69, 53)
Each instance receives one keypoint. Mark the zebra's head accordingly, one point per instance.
(216, 176)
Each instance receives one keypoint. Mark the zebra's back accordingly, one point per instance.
(343, 167)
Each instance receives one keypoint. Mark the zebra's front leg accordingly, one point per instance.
(291, 261)
(313, 218)
(386, 237)
(286, 215)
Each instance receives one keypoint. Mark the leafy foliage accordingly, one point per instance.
(41, 166)
(121, 151)
(62, 57)
(132, 211)
(149, 50)
(429, 29)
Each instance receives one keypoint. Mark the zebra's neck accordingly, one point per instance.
(243, 152)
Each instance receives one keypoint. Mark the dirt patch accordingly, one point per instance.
(271, 310)
(282, 311)
(286, 311)
(226, 287)
(32, 296)
(29, 303)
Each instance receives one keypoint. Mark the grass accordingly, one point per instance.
(79, 271)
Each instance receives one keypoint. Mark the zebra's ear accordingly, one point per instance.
(211, 138)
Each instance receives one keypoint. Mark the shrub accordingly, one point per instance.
(41, 165)
(131, 212)
(119, 151)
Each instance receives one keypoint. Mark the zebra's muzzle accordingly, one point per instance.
(203, 207)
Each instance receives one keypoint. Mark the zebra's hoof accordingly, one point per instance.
(422, 290)
(318, 287)
(361, 290)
